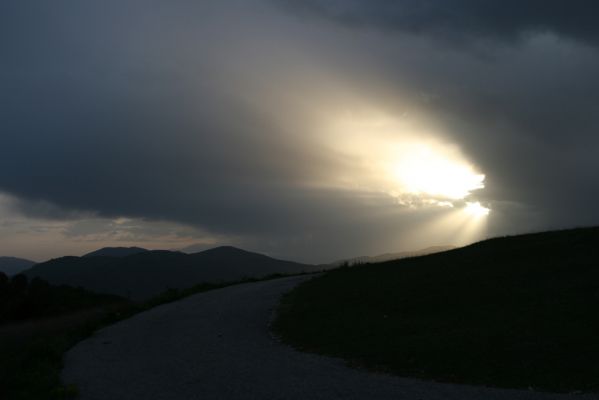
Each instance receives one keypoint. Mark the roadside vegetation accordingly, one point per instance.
(39, 322)
(518, 312)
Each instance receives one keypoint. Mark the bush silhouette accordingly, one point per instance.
(3, 282)
(19, 283)
(23, 299)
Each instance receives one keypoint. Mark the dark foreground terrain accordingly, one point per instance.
(40, 322)
(517, 312)
(217, 346)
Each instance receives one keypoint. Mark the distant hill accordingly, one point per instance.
(142, 275)
(12, 265)
(194, 248)
(390, 256)
(115, 252)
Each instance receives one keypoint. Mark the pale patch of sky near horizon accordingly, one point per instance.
(41, 239)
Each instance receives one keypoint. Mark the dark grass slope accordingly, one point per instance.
(38, 323)
(23, 300)
(519, 311)
(146, 274)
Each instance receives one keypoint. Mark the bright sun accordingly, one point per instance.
(419, 170)
(423, 170)
(475, 209)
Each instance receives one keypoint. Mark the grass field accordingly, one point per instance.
(518, 312)
(32, 351)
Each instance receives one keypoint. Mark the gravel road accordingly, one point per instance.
(216, 345)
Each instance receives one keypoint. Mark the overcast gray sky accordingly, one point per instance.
(309, 130)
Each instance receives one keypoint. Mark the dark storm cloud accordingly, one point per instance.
(181, 112)
(504, 20)
(531, 124)
(93, 123)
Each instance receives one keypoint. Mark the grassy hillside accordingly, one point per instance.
(38, 323)
(387, 256)
(518, 311)
(21, 299)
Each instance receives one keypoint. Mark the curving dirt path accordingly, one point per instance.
(216, 345)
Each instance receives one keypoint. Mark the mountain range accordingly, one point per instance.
(115, 252)
(12, 265)
(139, 274)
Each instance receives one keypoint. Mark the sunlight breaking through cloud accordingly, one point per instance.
(426, 171)
(419, 170)
(476, 209)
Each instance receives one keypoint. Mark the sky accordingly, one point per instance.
(309, 130)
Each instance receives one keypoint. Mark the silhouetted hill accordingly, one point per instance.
(518, 311)
(390, 256)
(12, 265)
(142, 275)
(115, 252)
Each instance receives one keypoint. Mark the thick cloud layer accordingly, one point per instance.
(463, 19)
(217, 117)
